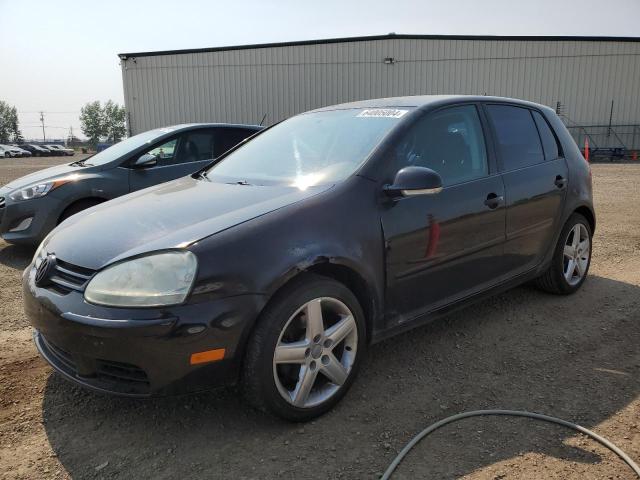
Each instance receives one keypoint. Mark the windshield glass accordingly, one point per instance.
(309, 149)
(125, 146)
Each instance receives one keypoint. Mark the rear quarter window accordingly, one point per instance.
(549, 142)
(517, 136)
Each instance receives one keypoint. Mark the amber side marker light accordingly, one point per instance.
(207, 356)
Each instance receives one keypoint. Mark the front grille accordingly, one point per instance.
(67, 277)
(116, 377)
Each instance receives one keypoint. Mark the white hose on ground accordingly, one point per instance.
(508, 413)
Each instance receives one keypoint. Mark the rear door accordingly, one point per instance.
(445, 246)
(535, 178)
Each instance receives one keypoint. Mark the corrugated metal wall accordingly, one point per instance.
(278, 81)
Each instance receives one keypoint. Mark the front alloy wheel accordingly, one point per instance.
(305, 350)
(315, 352)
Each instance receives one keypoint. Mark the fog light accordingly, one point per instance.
(23, 225)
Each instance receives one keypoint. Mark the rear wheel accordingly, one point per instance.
(571, 258)
(306, 349)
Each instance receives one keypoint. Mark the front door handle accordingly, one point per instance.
(560, 181)
(493, 200)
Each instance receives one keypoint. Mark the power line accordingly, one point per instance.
(77, 111)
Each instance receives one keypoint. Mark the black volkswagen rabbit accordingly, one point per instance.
(280, 263)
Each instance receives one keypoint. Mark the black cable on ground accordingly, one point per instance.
(508, 413)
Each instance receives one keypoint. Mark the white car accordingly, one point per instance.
(65, 151)
(12, 151)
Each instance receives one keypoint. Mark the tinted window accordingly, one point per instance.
(517, 135)
(229, 137)
(196, 146)
(450, 142)
(548, 140)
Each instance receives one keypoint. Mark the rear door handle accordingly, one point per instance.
(493, 200)
(560, 181)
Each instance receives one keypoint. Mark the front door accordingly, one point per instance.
(177, 157)
(445, 246)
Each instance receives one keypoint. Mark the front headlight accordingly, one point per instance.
(40, 189)
(151, 281)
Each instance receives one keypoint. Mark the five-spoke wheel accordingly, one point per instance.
(305, 350)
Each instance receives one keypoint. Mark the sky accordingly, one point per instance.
(57, 55)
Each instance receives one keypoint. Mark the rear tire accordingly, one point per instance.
(77, 207)
(571, 258)
(296, 368)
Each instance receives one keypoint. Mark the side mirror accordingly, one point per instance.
(145, 161)
(411, 181)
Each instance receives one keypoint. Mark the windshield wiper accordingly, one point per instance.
(81, 163)
(240, 182)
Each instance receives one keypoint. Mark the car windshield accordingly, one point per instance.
(115, 151)
(309, 149)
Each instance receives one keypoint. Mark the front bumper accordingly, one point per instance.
(44, 212)
(139, 352)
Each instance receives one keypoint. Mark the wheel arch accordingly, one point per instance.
(586, 212)
(92, 200)
(341, 272)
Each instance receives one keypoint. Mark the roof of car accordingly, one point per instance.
(185, 126)
(422, 101)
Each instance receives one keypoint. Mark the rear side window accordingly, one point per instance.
(518, 140)
(546, 135)
(195, 146)
(229, 137)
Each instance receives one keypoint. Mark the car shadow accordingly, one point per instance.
(572, 357)
(15, 256)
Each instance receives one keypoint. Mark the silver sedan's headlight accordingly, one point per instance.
(151, 281)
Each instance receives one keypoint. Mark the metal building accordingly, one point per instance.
(593, 82)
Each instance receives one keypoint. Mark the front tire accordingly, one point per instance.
(306, 349)
(571, 258)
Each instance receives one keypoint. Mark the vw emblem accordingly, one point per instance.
(46, 267)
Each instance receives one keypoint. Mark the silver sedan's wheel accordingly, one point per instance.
(577, 250)
(315, 352)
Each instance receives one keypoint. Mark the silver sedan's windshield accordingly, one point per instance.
(125, 146)
(309, 149)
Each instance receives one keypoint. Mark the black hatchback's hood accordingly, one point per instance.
(170, 215)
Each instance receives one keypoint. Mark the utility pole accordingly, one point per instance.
(44, 138)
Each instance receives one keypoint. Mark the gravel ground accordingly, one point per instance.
(572, 357)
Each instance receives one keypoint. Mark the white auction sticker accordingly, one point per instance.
(382, 113)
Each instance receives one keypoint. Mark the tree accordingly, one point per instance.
(92, 122)
(98, 122)
(9, 123)
(114, 117)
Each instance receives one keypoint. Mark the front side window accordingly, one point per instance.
(165, 153)
(309, 149)
(518, 141)
(450, 142)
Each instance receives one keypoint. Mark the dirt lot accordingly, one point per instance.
(576, 358)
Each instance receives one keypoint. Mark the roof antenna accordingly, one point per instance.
(263, 119)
